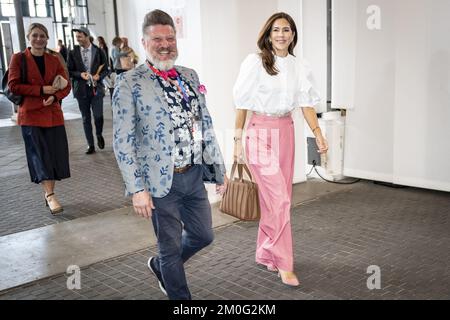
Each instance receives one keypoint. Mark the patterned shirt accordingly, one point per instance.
(86, 55)
(185, 116)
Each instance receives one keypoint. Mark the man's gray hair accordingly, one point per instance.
(156, 17)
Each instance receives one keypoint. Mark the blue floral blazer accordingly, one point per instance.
(143, 133)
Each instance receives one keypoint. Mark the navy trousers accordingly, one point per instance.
(183, 226)
(85, 105)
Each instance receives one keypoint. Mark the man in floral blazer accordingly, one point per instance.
(166, 148)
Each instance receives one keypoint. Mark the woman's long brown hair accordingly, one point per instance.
(267, 54)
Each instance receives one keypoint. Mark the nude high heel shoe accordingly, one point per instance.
(288, 278)
(53, 204)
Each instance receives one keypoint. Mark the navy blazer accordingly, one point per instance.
(76, 67)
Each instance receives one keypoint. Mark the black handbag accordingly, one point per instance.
(16, 99)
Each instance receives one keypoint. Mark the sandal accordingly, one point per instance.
(53, 204)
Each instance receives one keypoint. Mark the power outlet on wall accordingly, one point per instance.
(313, 155)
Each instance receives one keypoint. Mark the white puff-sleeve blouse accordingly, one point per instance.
(294, 86)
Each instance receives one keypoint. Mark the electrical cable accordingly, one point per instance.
(311, 171)
(335, 182)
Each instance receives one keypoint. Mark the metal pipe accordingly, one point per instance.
(19, 24)
(116, 19)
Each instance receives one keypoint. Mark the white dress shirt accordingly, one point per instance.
(293, 87)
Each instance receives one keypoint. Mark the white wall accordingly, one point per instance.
(369, 126)
(422, 99)
(399, 126)
(313, 41)
(131, 17)
(110, 31)
(344, 53)
(101, 17)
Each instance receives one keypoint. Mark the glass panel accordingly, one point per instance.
(66, 8)
(8, 8)
(31, 8)
(58, 12)
(41, 10)
(80, 14)
(68, 36)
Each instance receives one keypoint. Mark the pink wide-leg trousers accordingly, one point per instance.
(270, 151)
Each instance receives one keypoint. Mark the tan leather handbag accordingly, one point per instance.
(241, 198)
(60, 83)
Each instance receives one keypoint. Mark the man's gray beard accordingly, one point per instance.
(162, 65)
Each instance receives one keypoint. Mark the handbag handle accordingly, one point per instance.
(241, 168)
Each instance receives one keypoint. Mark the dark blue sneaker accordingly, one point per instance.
(157, 274)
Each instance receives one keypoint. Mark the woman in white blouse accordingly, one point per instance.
(272, 84)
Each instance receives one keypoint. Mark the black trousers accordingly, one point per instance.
(94, 103)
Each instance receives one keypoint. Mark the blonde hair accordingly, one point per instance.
(37, 26)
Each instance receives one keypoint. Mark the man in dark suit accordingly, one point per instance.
(88, 67)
